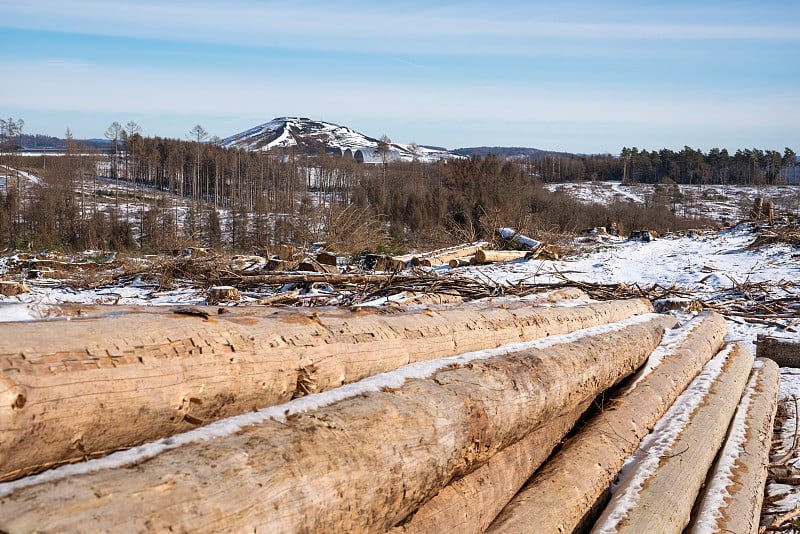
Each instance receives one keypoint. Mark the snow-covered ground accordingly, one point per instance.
(717, 202)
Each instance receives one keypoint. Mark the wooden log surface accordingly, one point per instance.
(734, 494)
(151, 374)
(460, 262)
(359, 465)
(492, 256)
(283, 278)
(785, 352)
(469, 504)
(443, 256)
(565, 491)
(657, 494)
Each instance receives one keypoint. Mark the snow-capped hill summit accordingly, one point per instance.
(313, 137)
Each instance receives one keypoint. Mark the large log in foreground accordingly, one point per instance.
(469, 504)
(563, 494)
(359, 465)
(150, 375)
(658, 492)
(734, 493)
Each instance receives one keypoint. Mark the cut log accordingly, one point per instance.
(152, 374)
(511, 236)
(311, 265)
(785, 352)
(444, 256)
(493, 256)
(379, 262)
(545, 252)
(460, 262)
(327, 258)
(218, 294)
(735, 491)
(420, 299)
(565, 491)
(469, 504)
(359, 465)
(283, 278)
(12, 289)
(667, 473)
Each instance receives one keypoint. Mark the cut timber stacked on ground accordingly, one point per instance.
(568, 487)
(735, 493)
(492, 256)
(148, 374)
(444, 256)
(360, 465)
(658, 493)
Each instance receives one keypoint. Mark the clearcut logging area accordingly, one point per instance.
(553, 414)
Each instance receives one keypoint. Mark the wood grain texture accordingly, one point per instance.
(741, 512)
(147, 375)
(565, 490)
(664, 503)
(359, 465)
(469, 504)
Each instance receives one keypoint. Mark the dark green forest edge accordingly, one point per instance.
(199, 193)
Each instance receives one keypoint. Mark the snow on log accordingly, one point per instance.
(562, 495)
(445, 255)
(219, 294)
(735, 492)
(361, 464)
(152, 374)
(469, 504)
(662, 480)
(511, 235)
(783, 351)
(493, 256)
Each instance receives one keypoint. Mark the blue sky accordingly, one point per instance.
(586, 76)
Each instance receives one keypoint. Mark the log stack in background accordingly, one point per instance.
(458, 447)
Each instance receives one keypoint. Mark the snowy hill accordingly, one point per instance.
(314, 137)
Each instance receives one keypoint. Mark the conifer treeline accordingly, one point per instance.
(192, 193)
(686, 166)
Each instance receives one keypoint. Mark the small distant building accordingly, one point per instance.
(371, 155)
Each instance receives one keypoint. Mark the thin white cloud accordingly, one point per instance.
(79, 87)
(377, 27)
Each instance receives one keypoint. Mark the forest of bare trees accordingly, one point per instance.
(156, 194)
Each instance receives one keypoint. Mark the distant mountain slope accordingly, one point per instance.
(309, 136)
(509, 152)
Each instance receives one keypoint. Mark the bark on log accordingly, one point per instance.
(444, 256)
(358, 465)
(283, 278)
(218, 294)
(492, 256)
(665, 496)
(784, 352)
(153, 374)
(468, 505)
(565, 491)
(735, 492)
(461, 262)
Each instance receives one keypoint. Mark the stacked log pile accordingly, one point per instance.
(148, 373)
(457, 441)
